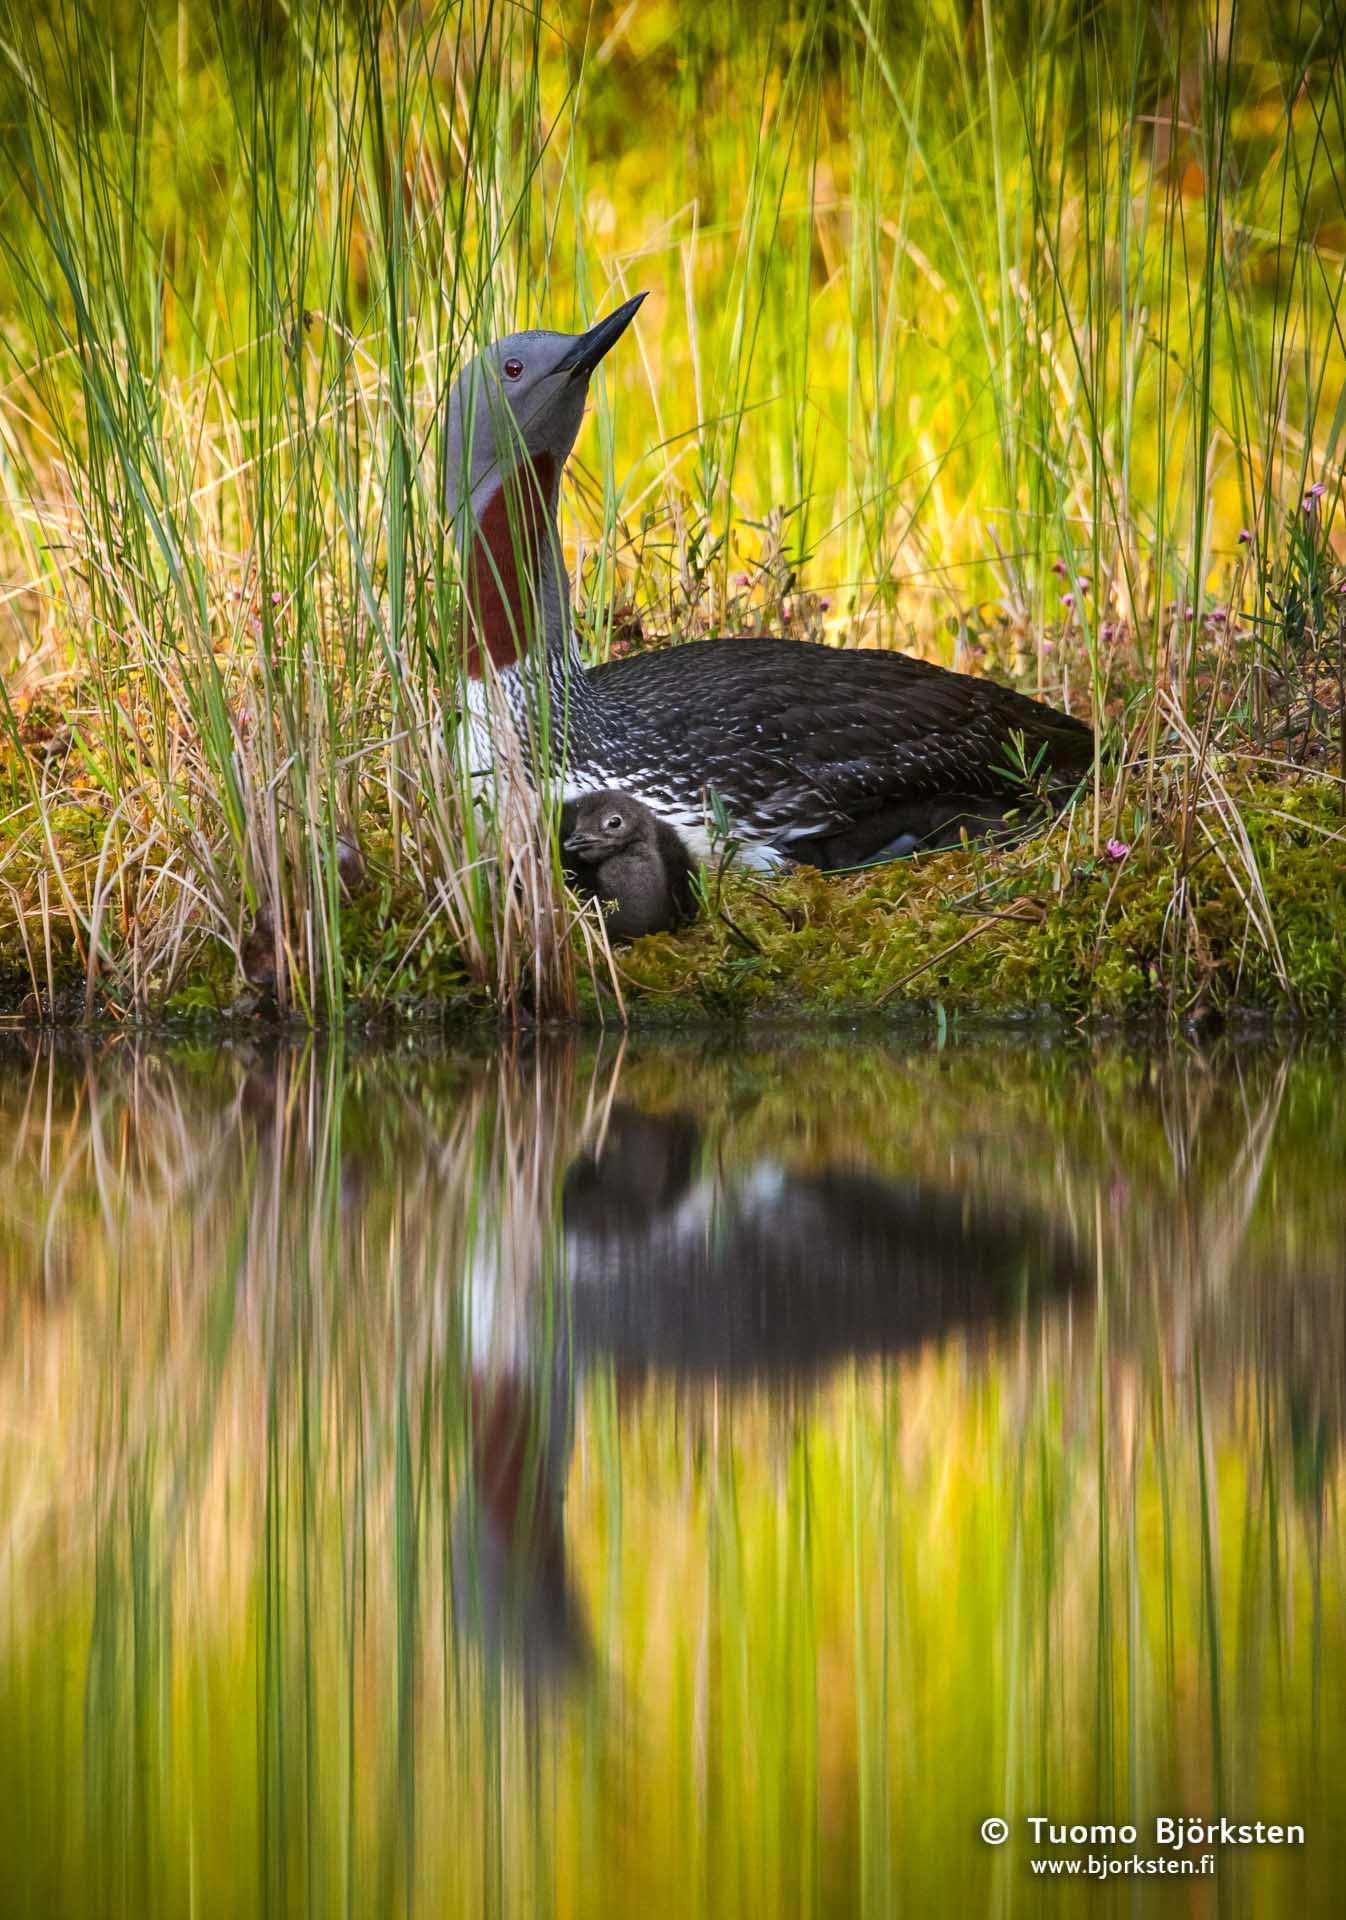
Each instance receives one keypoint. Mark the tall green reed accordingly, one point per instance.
(942, 303)
(249, 528)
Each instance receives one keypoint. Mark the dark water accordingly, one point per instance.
(699, 1479)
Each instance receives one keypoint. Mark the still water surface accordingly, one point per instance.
(697, 1479)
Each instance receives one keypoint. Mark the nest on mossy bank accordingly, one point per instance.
(1245, 911)
(1248, 914)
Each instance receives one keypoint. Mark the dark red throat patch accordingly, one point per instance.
(503, 566)
(509, 1463)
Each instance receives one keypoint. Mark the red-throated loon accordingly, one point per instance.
(820, 754)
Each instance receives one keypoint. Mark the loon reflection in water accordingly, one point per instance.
(763, 1275)
(774, 1272)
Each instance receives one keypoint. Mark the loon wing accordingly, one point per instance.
(805, 742)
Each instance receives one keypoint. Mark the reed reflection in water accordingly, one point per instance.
(703, 1479)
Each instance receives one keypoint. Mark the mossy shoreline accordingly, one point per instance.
(1248, 922)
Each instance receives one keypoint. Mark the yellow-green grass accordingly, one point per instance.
(942, 301)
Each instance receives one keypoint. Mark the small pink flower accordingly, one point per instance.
(1217, 616)
(742, 580)
(1067, 601)
(275, 599)
(787, 609)
(1117, 849)
(1245, 537)
(1060, 568)
(823, 605)
(1188, 614)
(1312, 497)
(1083, 583)
(235, 593)
(1107, 631)
(1048, 646)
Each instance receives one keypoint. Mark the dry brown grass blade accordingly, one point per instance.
(1242, 869)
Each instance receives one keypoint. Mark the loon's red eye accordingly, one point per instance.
(513, 368)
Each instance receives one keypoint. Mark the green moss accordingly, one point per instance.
(1253, 924)
(1133, 938)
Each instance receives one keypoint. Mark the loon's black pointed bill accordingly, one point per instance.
(590, 348)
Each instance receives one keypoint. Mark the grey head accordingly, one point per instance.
(521, 396)
(607, 823)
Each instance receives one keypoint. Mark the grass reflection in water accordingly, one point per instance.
(704, 1480)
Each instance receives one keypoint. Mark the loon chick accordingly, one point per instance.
(622, 853)
(820, 754)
